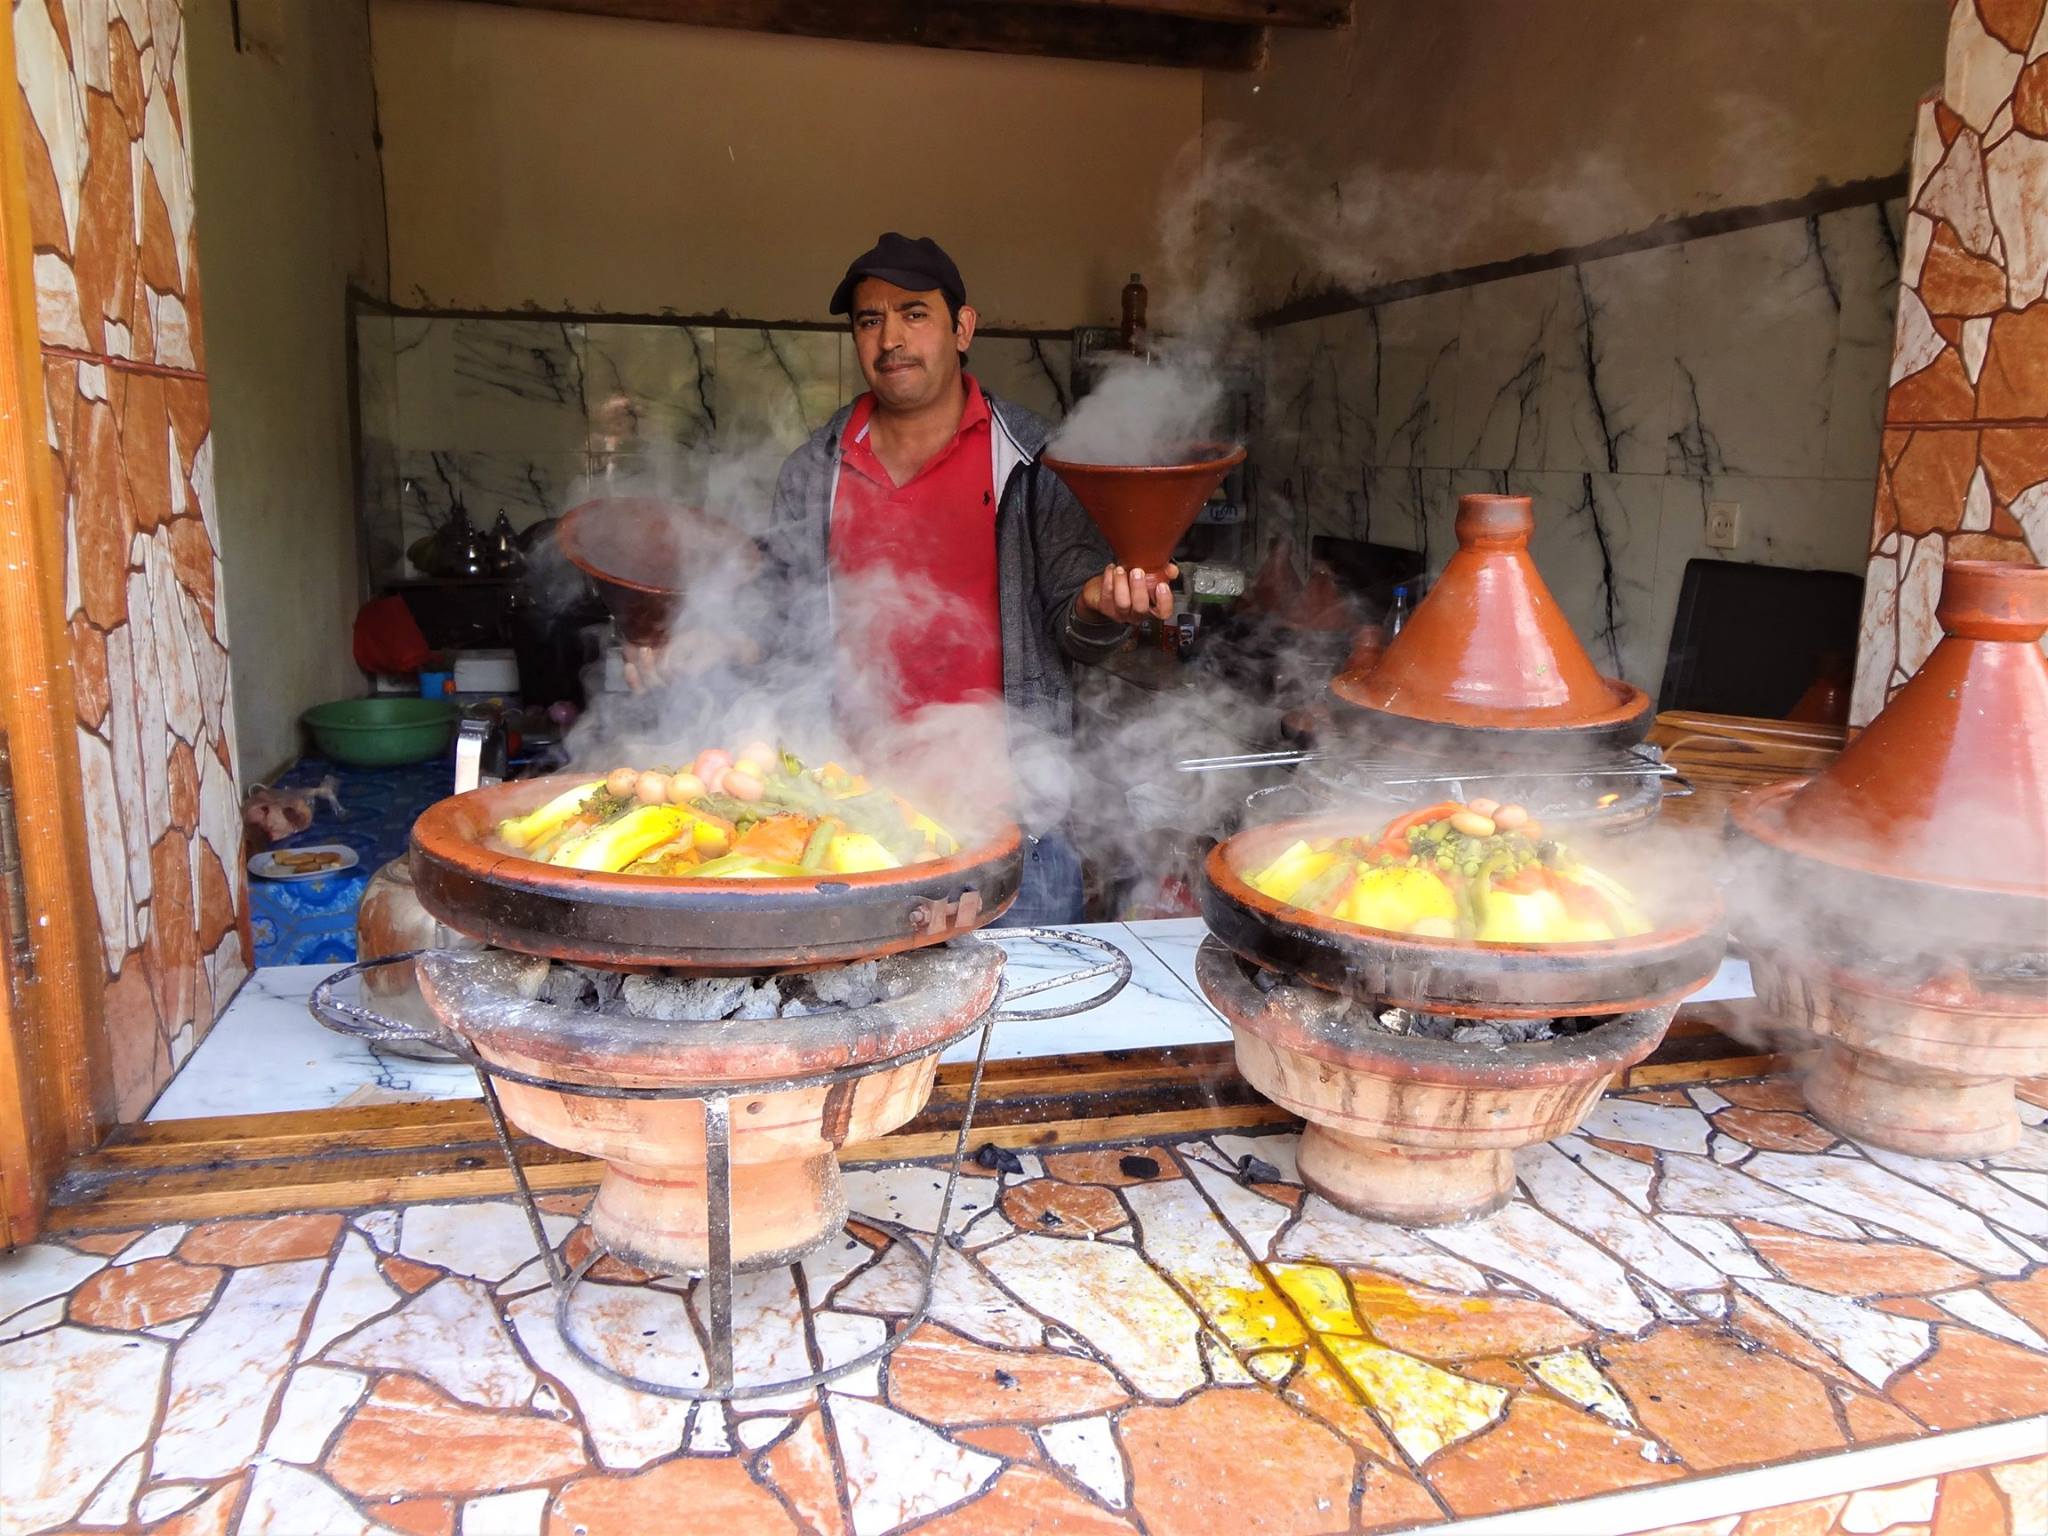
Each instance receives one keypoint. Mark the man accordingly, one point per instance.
(929, 489)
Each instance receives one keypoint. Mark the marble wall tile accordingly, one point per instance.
(424, 370)
(1508, 337)
(1862, 247)
(1759, 312)
(518, 386)
(1613, 395)
(1410, 361)
(648, 388)
(1623, 393)
(1596, 543)
(1030, 372)
(775, 386)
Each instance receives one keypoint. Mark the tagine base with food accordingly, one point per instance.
(1433, 993)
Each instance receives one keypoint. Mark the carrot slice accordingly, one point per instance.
(777, 838)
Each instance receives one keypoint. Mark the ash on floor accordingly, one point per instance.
(679, 996)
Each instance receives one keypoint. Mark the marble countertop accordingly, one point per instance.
(268, 1054)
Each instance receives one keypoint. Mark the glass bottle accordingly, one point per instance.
(1399, 610)
(1133, 330)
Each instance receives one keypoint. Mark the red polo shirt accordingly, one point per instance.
(932, 608)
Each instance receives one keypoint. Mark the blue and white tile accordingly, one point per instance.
(518, 386)
(267, 1053)
(774, 386)
(648, 389)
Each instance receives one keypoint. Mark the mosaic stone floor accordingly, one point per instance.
(1702, 1309)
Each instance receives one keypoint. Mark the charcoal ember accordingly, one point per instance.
(1268, 981)
(1479, 1033)
(566, 987)
(847, 986)
(796, 1008)
(673, 998)
(1256, 1170)
(763, 1001)
(999, 1159)
(606, 985)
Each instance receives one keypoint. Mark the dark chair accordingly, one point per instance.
(1748, 639)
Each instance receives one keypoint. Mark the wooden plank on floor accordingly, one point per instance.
(339, 1159)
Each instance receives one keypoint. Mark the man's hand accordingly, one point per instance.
(1128, 596)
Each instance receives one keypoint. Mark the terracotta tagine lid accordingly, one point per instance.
(1489, 647)
(1949, 784)
(1143, 509)
(643, 553)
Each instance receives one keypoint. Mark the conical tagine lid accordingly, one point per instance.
(1143, 509)
(1949, 784)
(1489, 647)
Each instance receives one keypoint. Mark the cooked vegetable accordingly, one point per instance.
(758, 816)
(525, 831)
(619, 842)
(1454, 871)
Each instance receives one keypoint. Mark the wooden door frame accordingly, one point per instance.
(56, 1081)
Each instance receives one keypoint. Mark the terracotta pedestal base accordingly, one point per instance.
(1910, 1109)
(1928, 1073)
(786, 1194)
(787, 1198)
(1402, 1129)
(1410, 1186)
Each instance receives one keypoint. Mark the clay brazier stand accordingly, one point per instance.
(1896, 906)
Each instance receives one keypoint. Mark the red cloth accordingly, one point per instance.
(388, 638)
(938, 618)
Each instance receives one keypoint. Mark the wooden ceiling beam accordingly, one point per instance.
(1092, 29)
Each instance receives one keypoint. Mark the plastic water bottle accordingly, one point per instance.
(1398, 611)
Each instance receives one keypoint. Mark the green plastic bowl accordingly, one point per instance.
(381, 733)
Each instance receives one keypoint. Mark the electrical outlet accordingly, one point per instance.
(1724, 525)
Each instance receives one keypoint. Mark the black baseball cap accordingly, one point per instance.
(918, 265)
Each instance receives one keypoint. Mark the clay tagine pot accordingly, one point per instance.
(1896, 905)
(787, 1198)
(642, 554)
(1143, 509)
(1408, 1130)
(1488, 653)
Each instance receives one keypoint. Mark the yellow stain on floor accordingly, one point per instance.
(1379, 1296)
(1424, 1406)
(1572, 1374)
(1249, 1316)
(1320, 1294)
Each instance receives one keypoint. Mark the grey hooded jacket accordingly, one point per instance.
(1046, 549)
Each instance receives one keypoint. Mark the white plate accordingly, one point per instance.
(266, 866)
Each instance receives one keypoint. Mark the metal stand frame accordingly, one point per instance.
(374, 1028)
